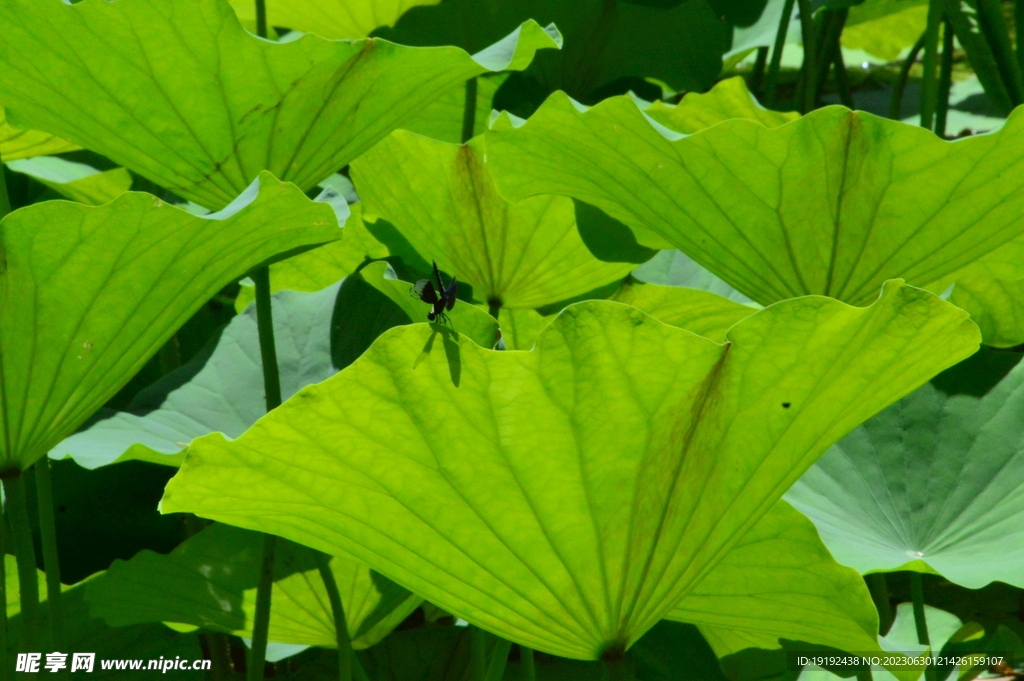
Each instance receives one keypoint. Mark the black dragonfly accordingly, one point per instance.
(441, 298)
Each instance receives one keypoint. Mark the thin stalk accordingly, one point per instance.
(5, 200)
(529, 666)
(917, 596)
(929, 81)
(896, 103)
(25, 552)
(494, 308)
(345, 653)
(878, 586)
(261, 18)
(477, 654)
(832, 30)
(842, 78)
(469, 111)
(51, 563)
(757, 75)
(1018, 15)
(772, 77)
(945, 79)
(5, 670)
(261, 618)
(810, 75)
(272, 391)
(499, 659)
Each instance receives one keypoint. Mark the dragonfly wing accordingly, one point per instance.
(450, 292)
(425, 290)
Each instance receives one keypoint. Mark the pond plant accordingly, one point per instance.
(477, 340)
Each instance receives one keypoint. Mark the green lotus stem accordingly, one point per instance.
(945, 79)
(917, 596)
(529, 667)
(499, 659)
(757, 75)
(5, 200)
(810, 75)
(261, 18)
(896, 103)
(997, 34)
(25, 552)
(833, 23)
(5, 669)
(469, 112)
(345, 652)
(878, 585)
(494, 308)
(929, 81)
(842, 78)
(261, 618)
(477, 654)
(51, 562)
(772, 77)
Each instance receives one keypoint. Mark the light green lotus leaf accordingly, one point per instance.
(221, 389)
(333, 19)
(678, 42)
(88, 294)
(503, 488)
(181, 94)
(317, 269)
(780, 582)
(441, 198)
(834, 203)
(729, 99)
(933, 483)
(520, 328)
(16, 144)
(885, 35)
(705, 314)
(442, 119)
(995, 305)
(210, 580)
(76, 181)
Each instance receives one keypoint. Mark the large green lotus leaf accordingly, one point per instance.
(729, 99)
(76, 181)
(221, 390)
(333, 19)
(89, 294)
(705, 314)
(674, 268)
(503, 488)
(933, 483)
(605, 40)
(16, 144)
(995, 305)
(210, 581)
(834, 203)
(442, 119)
(885, 35)
(780, 582)
(442, 199)
(183, 95)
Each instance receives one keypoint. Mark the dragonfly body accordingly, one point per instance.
(441, 298)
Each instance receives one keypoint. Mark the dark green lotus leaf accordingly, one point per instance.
(76, 181)
(501, 487)
(221, 390)
(16, 144)
(933, 483)
(605, 41)
(442, 199)
(210, 580)
(88, 294)
(834, 203)
(181, 94)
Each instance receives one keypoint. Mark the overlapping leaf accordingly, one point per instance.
(933, 483)
(16, 144)
(182, 95)
(502, 487)
(442, 199)
(87, 294)
(76, 181)
(221, 390)
(334, 19)
(210, 581)
(834, 203)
